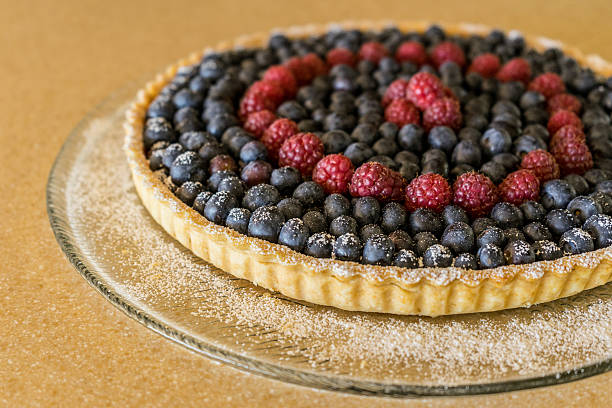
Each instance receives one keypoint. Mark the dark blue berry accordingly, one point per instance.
(194, 140)
(546, 250)
(425, 220)
(290, 208)
(560, 220)
(238, 219)
(261, 195)
(394, 217)
(490, 256)
(467, 152)
(442, 138)
(536, 231)
(309, 193)
(188, 191)
(494, 141)
(342, 225)
(200, 201)
(452, 214)
(266, 223)
(319, 245)
(576, 241)
(583, 207)
(158, 129)
(405, 258)
(600, 228)
(253, 150)
(347, 247)
(423, 241)
(481, 224)
(519, 252)
(507, 215)
(233, 185)
(459, 237)
(336, 141)
(336, 205)
(187, 167)
(285, 179)
(358, 153)
(218, 207)
(294, 234)
(378, 250)
(437, 256)
(532, 211)
(366, 210)
(315, 221)
(556, 194)
(410, 137)
(466, 261)
(401, 240)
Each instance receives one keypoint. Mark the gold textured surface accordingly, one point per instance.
(61, 343)
(427, 291)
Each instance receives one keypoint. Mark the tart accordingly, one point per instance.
(403, 169)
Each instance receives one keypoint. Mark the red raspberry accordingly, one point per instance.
(302, 72)
(475, 193)
(542, 163)
(423, 89)
(284, 77)
(573, 156)
(517, 69)
(443, 112)
(279, 131)
(255, 102)
(339, 56)
(428, 191)
(302, 151)
(564, 101)
(486, 65)
(269, 89)
(411, 51)
(566, 132)
(402, 112)
(548, 84)
(373, 179)
(520, 186)
(257, 122)
(396, 90)
(373, 51)
(447, 51)
(562, 118)
(333, 173)
(315, 63)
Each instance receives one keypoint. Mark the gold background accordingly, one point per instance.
(61, 343)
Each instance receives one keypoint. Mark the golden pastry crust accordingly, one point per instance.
(350, 285)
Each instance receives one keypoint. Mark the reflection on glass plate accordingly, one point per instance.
(114, 243)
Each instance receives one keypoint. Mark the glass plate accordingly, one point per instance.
(112, 241)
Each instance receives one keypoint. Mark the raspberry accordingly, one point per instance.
(411, 51)
(520, 186)
(542, 164)
(333, 173)
(562, 118)
(447, 51)
(302, 151)
(339, 56)
(396, 90)
(443, 112)
(548, 84)
(315, 63)
(423, 89)
(475, 193)
(269, 89)
(302, 72)
(402, 112)
(486, 65)
(573, 156)
(373, 51)
(279, 131)
(373, 179)
(257, 122)
(428, 191)
(516, 69)
(565, 133)
(284, 77)
(564, 101)
(255, 102)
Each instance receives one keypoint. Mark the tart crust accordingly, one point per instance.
(351, 285)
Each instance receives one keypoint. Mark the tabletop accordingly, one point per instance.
(61, 343)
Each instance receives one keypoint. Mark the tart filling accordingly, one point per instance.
(345, 167)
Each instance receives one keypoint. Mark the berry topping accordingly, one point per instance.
(275, 135)
(283, 76)
(475, 193)
(402, 112)
(562, 118)
(375, 180)
(486, 65)
(396, 90)
(548, 84)
(428, 191)
(334, 173)
(443, 112)
(340, 56)
(517, 69)
(447, 51)
(373, 51)
(257, 122)
(301, 151)
(573, 156)
(542, 164)
(520, 186)
(423, 89)
(411, 51)
(564, 101)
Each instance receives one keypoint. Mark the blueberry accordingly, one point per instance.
(315, 221)
(410, 137)
(368, 230)
(467, 152)
(336, 141)
(470, 134)
(187, 167)
(220, 123)
(532, 99)
(425, 220)
(490, 256)
(348, 247)
(366, 210)
(452, 214)
(155, 159)
(238, 219)
(508, 160)
(466, 261)
(536, 231)
(290, 208)
(459, 237)
(158, 129)
(170, 153)
(342, 225)
(212, 67)
(394, 217)
(187, 98)
(436, 166)
(209, 150)
(336, 205)
(336, 121)
(583, 207)
(385, 147)
(546, 250)
(261, 195)
(378, 250)
(491, 235)
(161, 107)
(200, 201)
(233, 185)
(437, 256)
(507, 215)
(188, 191)
(604, 200)
(537, 130)
(406, 157)
(514, 234)
(576, 241)
(384, 160)
(600, 228)
(556, 194)
(481, 224)
(527, 143)
(494, 141)
(238, 141)
(194, 140)
(532, 211)
(365, 133)
(493, 170)
(319, 245)
(265, 223)
(358, 153)
(401, 240)
(253, 150)
(604, 187)
(256, 172)
(443, 138)
(405, 258)
(218, 207)
(309, 193)
(560, 220)
(424, 240)
(519, 252)
(294, 233)
(285, 179)
(292, 110)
